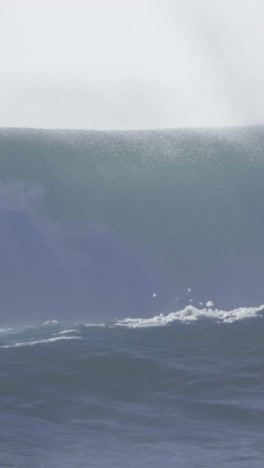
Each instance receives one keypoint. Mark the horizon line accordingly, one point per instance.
(128, 130)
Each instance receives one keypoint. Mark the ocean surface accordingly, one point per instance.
(181, 391)
(131, 298)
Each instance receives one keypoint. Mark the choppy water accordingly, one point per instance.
(180, 391)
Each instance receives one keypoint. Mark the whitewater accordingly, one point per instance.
(132, 298)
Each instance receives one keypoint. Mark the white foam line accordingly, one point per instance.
(63, 332)
(33, 343)
(94, 324)
(191, 314)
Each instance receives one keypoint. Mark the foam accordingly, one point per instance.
(36, 342)
(63, 332)
(94, 325)
(51, 322)
(191, 314)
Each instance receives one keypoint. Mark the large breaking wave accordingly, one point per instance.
(98, 225)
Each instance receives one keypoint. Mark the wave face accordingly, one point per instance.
(115, 224)
(185, 392)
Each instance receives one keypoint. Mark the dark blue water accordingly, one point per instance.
(181, 391)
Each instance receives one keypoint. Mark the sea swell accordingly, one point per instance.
(168, 392)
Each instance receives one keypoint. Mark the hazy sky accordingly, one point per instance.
(131, 63)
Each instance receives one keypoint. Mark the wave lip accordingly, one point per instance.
(191, 314)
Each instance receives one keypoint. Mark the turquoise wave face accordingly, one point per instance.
(119, 223)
